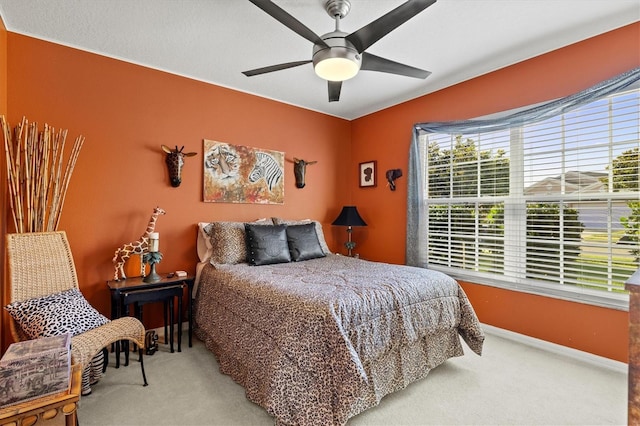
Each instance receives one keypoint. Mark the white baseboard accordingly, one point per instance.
(596, 360)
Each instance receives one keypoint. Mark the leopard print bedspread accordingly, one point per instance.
(320, 341)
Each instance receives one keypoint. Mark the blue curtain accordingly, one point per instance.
(416, 232)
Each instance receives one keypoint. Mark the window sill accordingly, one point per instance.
(617, 301)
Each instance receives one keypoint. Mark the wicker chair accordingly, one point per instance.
(40, 264)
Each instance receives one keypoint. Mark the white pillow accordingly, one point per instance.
(204, 243)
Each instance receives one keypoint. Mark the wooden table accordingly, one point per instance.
(46, 409)
(126, 286)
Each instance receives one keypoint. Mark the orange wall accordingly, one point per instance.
(126, 112)
(385, 136)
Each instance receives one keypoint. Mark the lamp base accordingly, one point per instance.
(153, 275)
(350, 244)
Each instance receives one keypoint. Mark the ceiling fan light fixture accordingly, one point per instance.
(337, 69)
(338, 61)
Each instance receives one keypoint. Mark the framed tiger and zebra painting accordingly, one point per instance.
(241, 174)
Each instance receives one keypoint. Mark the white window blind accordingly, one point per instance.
(556, 203)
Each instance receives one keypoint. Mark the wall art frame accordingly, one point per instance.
(241, 174)
(367, 174)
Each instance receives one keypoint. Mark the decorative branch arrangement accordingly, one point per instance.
(37, 177)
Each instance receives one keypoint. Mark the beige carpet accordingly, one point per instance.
(511, 384)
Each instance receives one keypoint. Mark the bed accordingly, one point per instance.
(315, 341)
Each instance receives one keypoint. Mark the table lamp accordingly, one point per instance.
(349, 217)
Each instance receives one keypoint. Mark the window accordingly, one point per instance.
(549, 205)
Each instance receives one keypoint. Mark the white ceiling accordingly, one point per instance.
(215, 40)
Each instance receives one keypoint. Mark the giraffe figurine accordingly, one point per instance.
(139, 246)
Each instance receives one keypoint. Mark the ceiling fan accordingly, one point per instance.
(338, 56)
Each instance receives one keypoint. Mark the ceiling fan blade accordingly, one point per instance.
(273, 68)
(289, 21)
(334, 90)
(369, 34)
(376, 63)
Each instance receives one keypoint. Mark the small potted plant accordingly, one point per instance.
(152, 257)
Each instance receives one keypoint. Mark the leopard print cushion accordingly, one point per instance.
(55, 314)
(227, 242)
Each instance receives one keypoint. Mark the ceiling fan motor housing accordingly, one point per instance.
(337, 8)
(340, 53)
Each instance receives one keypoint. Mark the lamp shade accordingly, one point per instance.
(349, 216)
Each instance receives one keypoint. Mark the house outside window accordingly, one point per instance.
(553, 205)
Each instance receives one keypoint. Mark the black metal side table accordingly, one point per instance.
(163, 294)
(123, 293)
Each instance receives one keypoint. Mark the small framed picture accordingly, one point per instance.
(368, 174)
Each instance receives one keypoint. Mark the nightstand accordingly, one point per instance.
(129, 290)
(166, 295)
